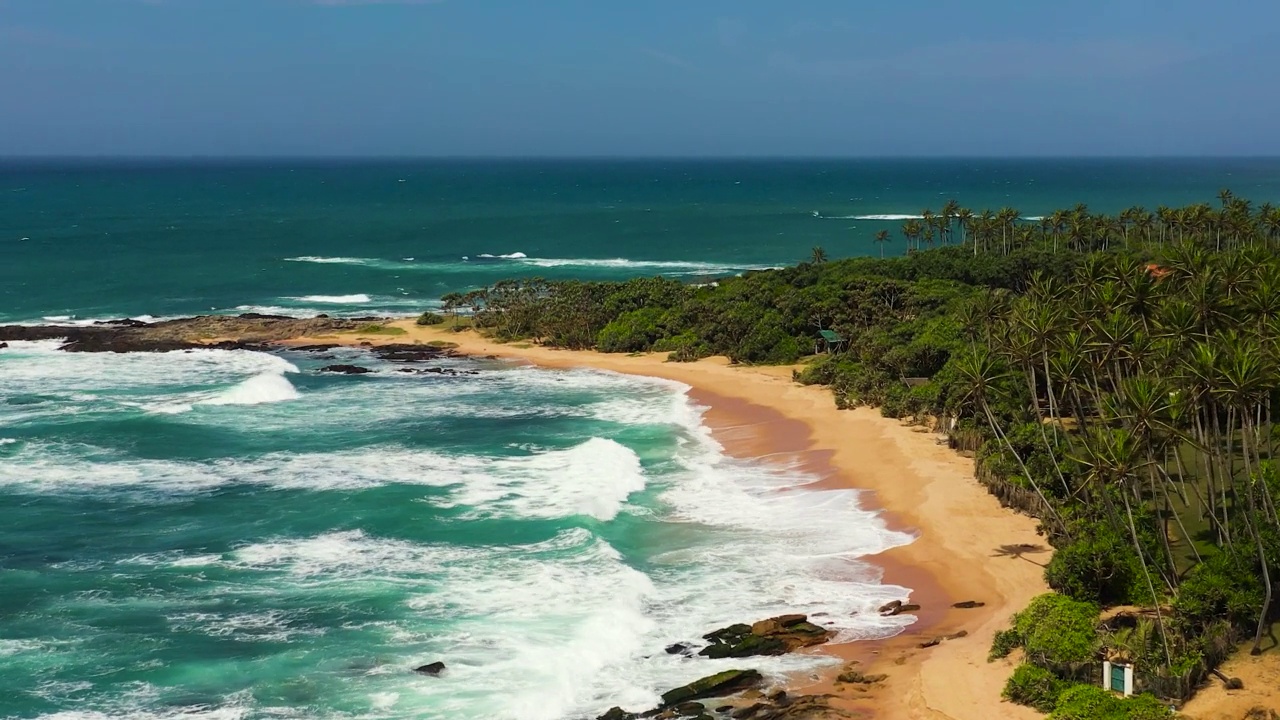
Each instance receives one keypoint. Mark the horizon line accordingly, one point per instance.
(607, 158)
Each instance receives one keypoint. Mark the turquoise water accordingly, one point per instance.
(352, 237)
(229, 534)
(233, 535)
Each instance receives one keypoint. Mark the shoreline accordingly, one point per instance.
(903, 474)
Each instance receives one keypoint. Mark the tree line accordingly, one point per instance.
(1114, 375)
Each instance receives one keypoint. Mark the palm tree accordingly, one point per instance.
(882, 237)
(983, 374)
(965, 216)
(911, 231)
(818, 256)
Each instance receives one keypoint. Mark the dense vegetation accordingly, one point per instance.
(1114, 376)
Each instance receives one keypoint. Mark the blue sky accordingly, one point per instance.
(658, 77)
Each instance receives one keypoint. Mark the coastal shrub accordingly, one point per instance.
(1033, 686)
(429, 318)
(1058, 631)
(893, 402)
(767, 343)
(1097, 566)
(1220, 587)
(685, 347)
(634, 331)
(1004, 643)
(1092, 702)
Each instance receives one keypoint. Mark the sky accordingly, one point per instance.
(639, 78)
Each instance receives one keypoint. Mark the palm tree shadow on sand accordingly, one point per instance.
(1020, 551)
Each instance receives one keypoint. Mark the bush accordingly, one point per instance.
(634, 331)
(1033, 686)
(685, 347)
(1220, 587)
(1098, 566)
(429, 318)
(1058, 631)
(1003, 643)
(767, 343)
(1091, 702)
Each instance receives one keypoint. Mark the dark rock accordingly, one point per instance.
(907, 608)
(957, 635)
(616, 713)
(432, 669)
(123, 322)
(777, 697)
(1235, 683)
(690, 709)
(412, 353)
(3, 345)
(346, 369)
(775, 636)
(724, 708)
(260, 316)
(931, 643)
(890, 608)
(677, 649)
(853, 676)
(967, 604)
(718, 685)
(314, 348)
(743, 713)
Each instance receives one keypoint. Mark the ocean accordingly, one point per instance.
(235, 535)
(83, 240)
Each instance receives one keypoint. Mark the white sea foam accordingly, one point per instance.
(503, 262)
(335, 299)
(265, 388)
(568, 626)
(329, 260)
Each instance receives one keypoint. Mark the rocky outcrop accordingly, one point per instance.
(251, 331)
(402, 353)
(451, 372)
(897, 607)
(345, 369)
(775, 636)
(968, 604)
(781, 706)
(718, 685)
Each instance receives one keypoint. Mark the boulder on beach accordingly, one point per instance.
(718, 685)
(775, 636)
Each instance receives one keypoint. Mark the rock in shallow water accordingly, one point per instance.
(345, 369)
(775, 636)
(433, 669)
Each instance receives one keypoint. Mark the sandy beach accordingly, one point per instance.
(967, 547)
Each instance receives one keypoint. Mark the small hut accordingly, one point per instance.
(830, 341)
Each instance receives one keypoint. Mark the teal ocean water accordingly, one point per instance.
(171, 238)
(234, 535)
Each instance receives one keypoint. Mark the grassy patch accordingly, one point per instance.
(379, 329)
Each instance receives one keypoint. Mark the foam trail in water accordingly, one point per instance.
(336, 299)
(329, 260)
